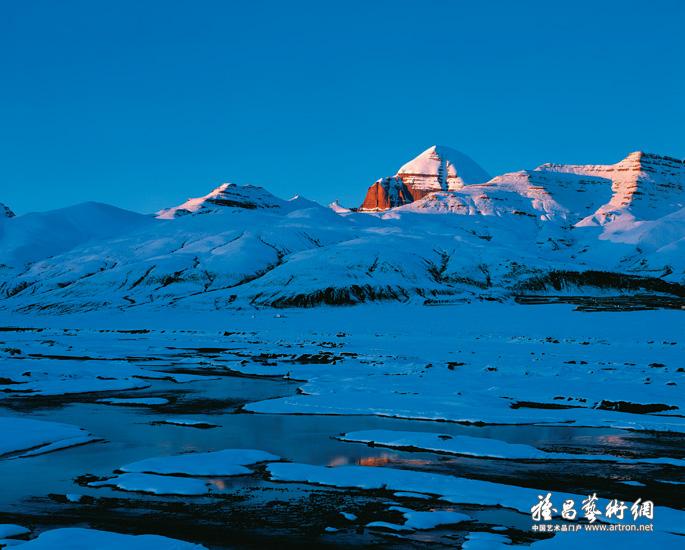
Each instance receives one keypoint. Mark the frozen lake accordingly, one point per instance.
(530, 398)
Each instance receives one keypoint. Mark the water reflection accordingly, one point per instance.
(383, 459)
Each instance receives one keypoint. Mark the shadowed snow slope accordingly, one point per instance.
(558, 229)
(31, 237)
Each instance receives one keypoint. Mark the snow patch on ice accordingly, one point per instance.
(228, 462)
(415, 520)
(35, 437)
(155, 484)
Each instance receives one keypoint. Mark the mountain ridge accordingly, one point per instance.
(633, 180)
(556, 230)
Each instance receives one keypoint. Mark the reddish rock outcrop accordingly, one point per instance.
(386, 193)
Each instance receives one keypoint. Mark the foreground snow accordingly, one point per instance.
(514, 382)
(448, 488)
(88, 539)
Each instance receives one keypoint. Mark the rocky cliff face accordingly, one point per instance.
(438, 168)
(386, 193)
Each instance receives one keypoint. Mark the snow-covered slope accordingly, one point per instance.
(211, 251)
(647, 185)
(25, 239)
(578, 230)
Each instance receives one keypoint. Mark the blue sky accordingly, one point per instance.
(144, 104)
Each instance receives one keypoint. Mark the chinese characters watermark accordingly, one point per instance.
(614, 512)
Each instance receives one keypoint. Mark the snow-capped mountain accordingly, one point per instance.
(556, 229)
(438, 168)
(647, 185)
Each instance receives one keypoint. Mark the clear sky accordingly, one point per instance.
(143, 104)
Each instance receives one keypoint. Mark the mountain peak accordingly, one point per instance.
(5, 211)
(438, 168)
(442, 166)
(227, 195)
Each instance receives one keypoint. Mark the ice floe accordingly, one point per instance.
(481, 447)
(32, 437)
(450, 488)
(178, 474)
(415, 520)
(227, 462)
(50, 377)
(155, 484)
